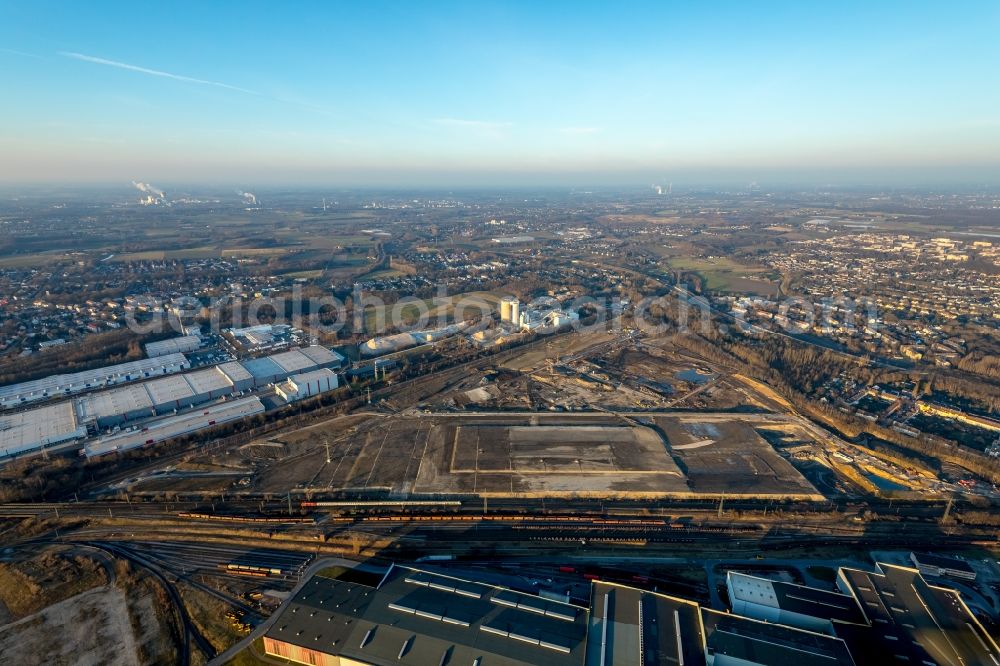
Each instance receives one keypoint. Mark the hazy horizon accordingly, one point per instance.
(681, 181)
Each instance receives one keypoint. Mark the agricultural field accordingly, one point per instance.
(724, 274)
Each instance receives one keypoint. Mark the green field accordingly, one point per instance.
(724, 274)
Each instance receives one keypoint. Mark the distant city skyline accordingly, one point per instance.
(506, 93)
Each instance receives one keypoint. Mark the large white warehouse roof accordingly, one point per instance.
(76, 382)
(29, 430)
(176, 426)
(185, 343)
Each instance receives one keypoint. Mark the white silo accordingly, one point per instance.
(510, 309)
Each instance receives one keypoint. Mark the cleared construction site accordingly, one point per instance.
(537, 454)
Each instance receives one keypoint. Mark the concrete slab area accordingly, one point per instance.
(548, 454)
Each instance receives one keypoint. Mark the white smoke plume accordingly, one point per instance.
(154, 195)
(149, 189)
(250, 197)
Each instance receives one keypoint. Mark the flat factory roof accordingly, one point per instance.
(173, 345)
(293, 360)
(234, 371)
(420, 617)
(263, 367)
(175, 426)
(312, 375)
(795, 598)
(320, 355)
(168, 390)
(113, 402)
(633, 627)
(754, 642)
(943, 562)
(208, 380)
(24, 431)
(75, 382)
(910, 617)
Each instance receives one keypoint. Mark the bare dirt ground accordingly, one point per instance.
(529, 454)
(727, 455)
(546, 454)
(421, 443)
(92, 628)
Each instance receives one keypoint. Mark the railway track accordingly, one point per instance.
(189, 632)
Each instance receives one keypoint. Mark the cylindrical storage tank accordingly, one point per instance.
(509, 309)
(505, 309)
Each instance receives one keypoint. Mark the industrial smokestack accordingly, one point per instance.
(156, 195)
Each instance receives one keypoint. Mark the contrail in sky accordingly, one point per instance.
(21, 53)
(154, 72)
(189, 79)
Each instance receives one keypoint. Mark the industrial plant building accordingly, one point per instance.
(418, 616)
(158, 396)
(732, 640)
(56, 386)
(263, 370)
(280, 366)
(939, 566)
(510, 310)
(794, 605)
(547, 319)
(175, 426)
(263, 337)
(238, 374)
(185, 343)
(31, 430)
(171, 394)
(399, 341)
(544, 316)
(624, 618)
(307, 385)
(908, 620)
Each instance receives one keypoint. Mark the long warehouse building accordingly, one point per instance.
(23, 432)
(185, 343)
(32, 429)
(171, 394)
(57, 386)
(175, 426)
(156, 397)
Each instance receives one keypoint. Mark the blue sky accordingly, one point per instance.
(440, 92)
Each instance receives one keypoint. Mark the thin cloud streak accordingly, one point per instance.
(155, 72)
(190, 79)
(21, 53)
